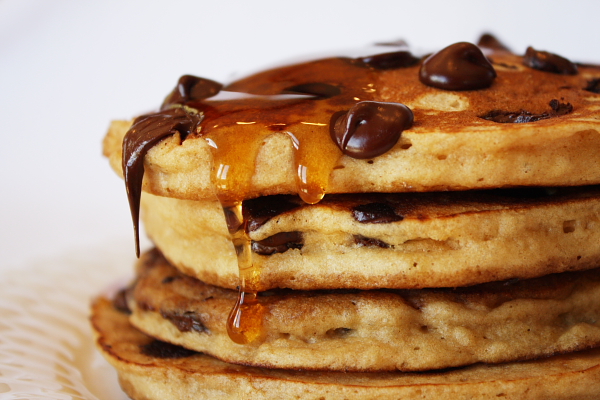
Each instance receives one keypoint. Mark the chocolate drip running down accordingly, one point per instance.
(145, 133)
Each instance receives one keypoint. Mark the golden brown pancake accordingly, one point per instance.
(375, 330)
(357, 137)
(450, 146)
(152, 370)
(410, 240)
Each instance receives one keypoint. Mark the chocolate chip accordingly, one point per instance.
(393, 60)
(370, 128)
(522, 116)
(120, 301)
(278, 243)
(147, 131)
(191, 88)
(318, 89)
(461, 66)
(159, 349)
(549, 62)
(186, 321)
(593, 86)
(260, 210)
(370, 242)
(489, 41)
(375, 213)
(513, 117)
(560, 108)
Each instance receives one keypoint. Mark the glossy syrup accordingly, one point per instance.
(245, 319)
(235, 139)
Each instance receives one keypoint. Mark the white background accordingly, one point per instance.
(68, 67)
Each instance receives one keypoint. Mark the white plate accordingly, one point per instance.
(46, 342)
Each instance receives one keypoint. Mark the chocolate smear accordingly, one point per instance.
(160, 349)
(191, 88)
(146, 132)
(523, 116)
(460, 66)
(549, 62)
(370, 128)
(375, 213)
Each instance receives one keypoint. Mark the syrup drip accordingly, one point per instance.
(245, 319)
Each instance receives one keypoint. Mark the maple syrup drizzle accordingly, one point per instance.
(245, 319)
(235, 124)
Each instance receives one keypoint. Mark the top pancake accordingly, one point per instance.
(249, 147)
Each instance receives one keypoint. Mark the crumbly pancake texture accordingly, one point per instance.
(152, 370)
(450, 146)
(352, 330)
(370, 241)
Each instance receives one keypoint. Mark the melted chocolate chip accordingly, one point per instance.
(160, 349)
(396, 59)
(191, 88)
(461, 66)
(320, 90)
(185, 322)
(370, 128)
(489, 41)
(560, 108)
(375, 213)
(259, 211)
(278, 243)
(511, 117)
(146, 132)
(549, 62)
(522, 116)
(370, 242)
(120, 301)
(593, 86)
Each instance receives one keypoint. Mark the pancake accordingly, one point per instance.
(409, 330)
(529, 127)
(369, 241)
(150, 370)
(404, 226)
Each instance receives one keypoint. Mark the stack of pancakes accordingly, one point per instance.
(374, 226)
